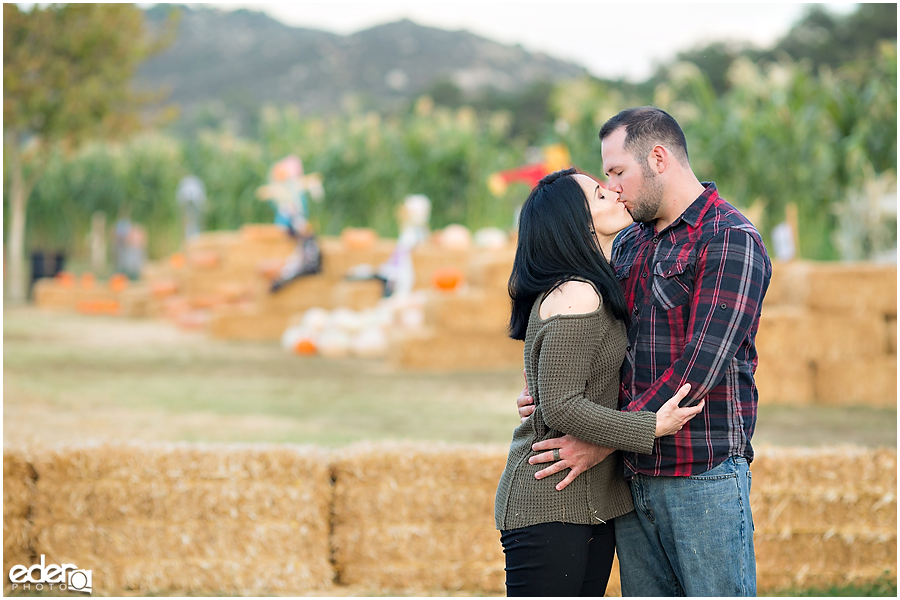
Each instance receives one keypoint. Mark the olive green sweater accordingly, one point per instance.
(572, 366)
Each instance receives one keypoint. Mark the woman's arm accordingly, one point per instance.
(568, 348)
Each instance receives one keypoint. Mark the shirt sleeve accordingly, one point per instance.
(564, 367)
(732, 275)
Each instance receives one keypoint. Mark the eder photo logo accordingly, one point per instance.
(64, 577)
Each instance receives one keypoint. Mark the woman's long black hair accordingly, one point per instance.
(556, 245)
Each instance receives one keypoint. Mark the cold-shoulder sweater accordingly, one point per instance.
(572, 367)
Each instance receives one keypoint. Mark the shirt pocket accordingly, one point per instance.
(672, 284)
(622, 273)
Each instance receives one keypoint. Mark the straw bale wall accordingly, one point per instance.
(824, 516)
(224, 519)
(18, 500)
(418, 516)
(828, 335)
(386, 518)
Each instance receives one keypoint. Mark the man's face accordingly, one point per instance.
(638, 187)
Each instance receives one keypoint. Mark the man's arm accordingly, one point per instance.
(730, 282)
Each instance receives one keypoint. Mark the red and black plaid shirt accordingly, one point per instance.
(695, 291)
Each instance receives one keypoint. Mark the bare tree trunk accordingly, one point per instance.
(19, 191)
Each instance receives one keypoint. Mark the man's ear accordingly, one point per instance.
(659, 159)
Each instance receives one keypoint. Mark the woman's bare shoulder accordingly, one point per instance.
(571, 298)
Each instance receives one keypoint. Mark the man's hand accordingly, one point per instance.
(574, 454)
(525, 402)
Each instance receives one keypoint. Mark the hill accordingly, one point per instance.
(240, 60)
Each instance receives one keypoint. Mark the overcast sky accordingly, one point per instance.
(611, 40)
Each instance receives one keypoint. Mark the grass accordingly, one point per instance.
(69, 378)
(884, 587)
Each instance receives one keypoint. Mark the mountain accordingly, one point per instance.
(243, 59)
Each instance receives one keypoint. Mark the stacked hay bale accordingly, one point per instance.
(83, 294)
(270, 314)
(417, 517)
(18, 500)
(827, 335)
(225, 519)
(824, 517)
(466, 328)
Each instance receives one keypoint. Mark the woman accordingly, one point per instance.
(569, 310)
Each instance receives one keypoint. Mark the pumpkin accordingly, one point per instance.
(177, 260)
(118, 282)
(447, 279)
(65, 279)
(305, 347)
(358, 238)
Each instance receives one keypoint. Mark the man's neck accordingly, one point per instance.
(683, 196)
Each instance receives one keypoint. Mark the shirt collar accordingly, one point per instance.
(693, 214)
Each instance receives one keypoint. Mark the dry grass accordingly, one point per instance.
(70, 378)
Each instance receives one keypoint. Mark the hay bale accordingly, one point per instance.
(787, 510)
(222, 519)
(135, 301)
(490, 270)
(439, 350)
(785, 380)
(784, 333)
(260, 232)
(247, 324)
(469, 310)
(825, 469)
(297, 296)
(836, 551)
(50, 295)
(337, 258)
(212, 241)
(429, 257)
(408, 516)
(788, 286)
(870, 381)
(864, 288)
(18, 499)
(357, 295)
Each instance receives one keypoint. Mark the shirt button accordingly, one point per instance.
(636, 311)
(723, 306)
(628, 349)
(644, 274)
(656, 240)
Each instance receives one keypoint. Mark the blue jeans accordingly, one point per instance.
(689, 536)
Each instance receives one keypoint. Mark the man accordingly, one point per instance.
(694, 272)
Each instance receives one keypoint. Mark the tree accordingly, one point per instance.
(66, 79)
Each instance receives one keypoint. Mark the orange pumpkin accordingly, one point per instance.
(447, 279)
(118, 282)
(305, 347)
(358, 238)
(177, 260)
(65, 279)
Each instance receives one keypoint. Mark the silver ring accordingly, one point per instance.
(556, 454)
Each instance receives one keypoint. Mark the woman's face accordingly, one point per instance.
(608, 214)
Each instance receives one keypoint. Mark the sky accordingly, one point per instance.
(611, 40)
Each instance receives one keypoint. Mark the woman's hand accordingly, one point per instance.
(670, 418)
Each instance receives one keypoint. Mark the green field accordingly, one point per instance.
(70, 378)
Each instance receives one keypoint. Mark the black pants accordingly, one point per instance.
(558, 559)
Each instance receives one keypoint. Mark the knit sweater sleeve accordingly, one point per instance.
(567, 350)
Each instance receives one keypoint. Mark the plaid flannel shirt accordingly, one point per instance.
(695, 291)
